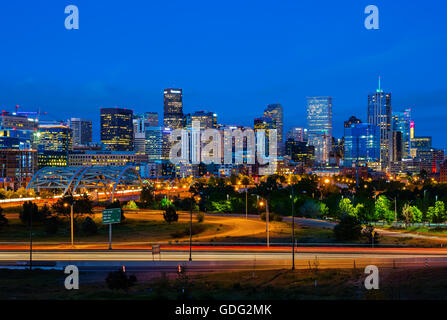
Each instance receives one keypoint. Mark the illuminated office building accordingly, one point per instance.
(362, 145)
(419, 144)
(54, 142)
(398, 146)
(154, 143)
(379, 114)
(139, 131)
(299, 151)
(18, 121)
(297, 134)
(207, 119)
(402, 123)
(17, 157)
(151, 119)
(117, 129)
(82, 131)
(102, 158)
(173, 108)
(351, 121)
(274, 112)
(319, 125)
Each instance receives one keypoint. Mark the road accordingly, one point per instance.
(232, 258)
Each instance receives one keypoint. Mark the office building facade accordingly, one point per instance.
(173, 108)
(319, 126)
(117, 129)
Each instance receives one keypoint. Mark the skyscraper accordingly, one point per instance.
(117, 129)
(297, 134)
(139, 136)
(362, 145)
(54, 142)
(173, 108)
(82, 131)
(154, 143)
(379, 114)
(402, 123)
(275, 113)
(207, 119)
(151, 119)
(319, 125)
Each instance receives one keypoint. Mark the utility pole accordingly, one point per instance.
(293, 232)
(71, 217)
(267, 221)
(246, 205)
(31, 240)
(190, 229)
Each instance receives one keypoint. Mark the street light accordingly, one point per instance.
(71, 219)
(292, 196)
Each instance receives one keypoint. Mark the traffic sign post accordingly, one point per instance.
(111, 216)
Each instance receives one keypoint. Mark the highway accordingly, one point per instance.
(231, 258)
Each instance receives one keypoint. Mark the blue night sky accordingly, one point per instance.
(230, 57)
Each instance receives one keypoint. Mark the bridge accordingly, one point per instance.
(84, 179)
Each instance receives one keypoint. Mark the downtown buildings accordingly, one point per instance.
(117, 129)
(319, 126)
(379, 114)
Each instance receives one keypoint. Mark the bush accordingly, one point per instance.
(170, 215)
(367, 233)
(118, 280)
(51, 225)
(272, 216)
(349, 228)
(89, 227)
(200, 217)
(29, 208)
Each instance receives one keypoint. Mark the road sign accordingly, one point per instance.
(110, 216)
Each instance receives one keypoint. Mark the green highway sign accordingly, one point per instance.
(110, 216)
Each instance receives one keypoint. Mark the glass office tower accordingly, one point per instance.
(362, 144)
(379, 114)
(173, 108)
(402, 123)
(117, 129)
(275, 113)
(319, 125)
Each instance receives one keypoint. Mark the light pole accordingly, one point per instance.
(190, 221)
(293, 231)
(266, 220)
(71, 222)
(31, 241)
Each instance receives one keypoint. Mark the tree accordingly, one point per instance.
(118, 280)
(349, 228)
(147, 195)
(29, 208)
(89, 226)
(437, 214)
(170, 215)
(3, 219)
(345, 207)
(370, 234)
(313, 209)
(51, 225)
(382, 209)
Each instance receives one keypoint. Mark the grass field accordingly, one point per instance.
(395, 284)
